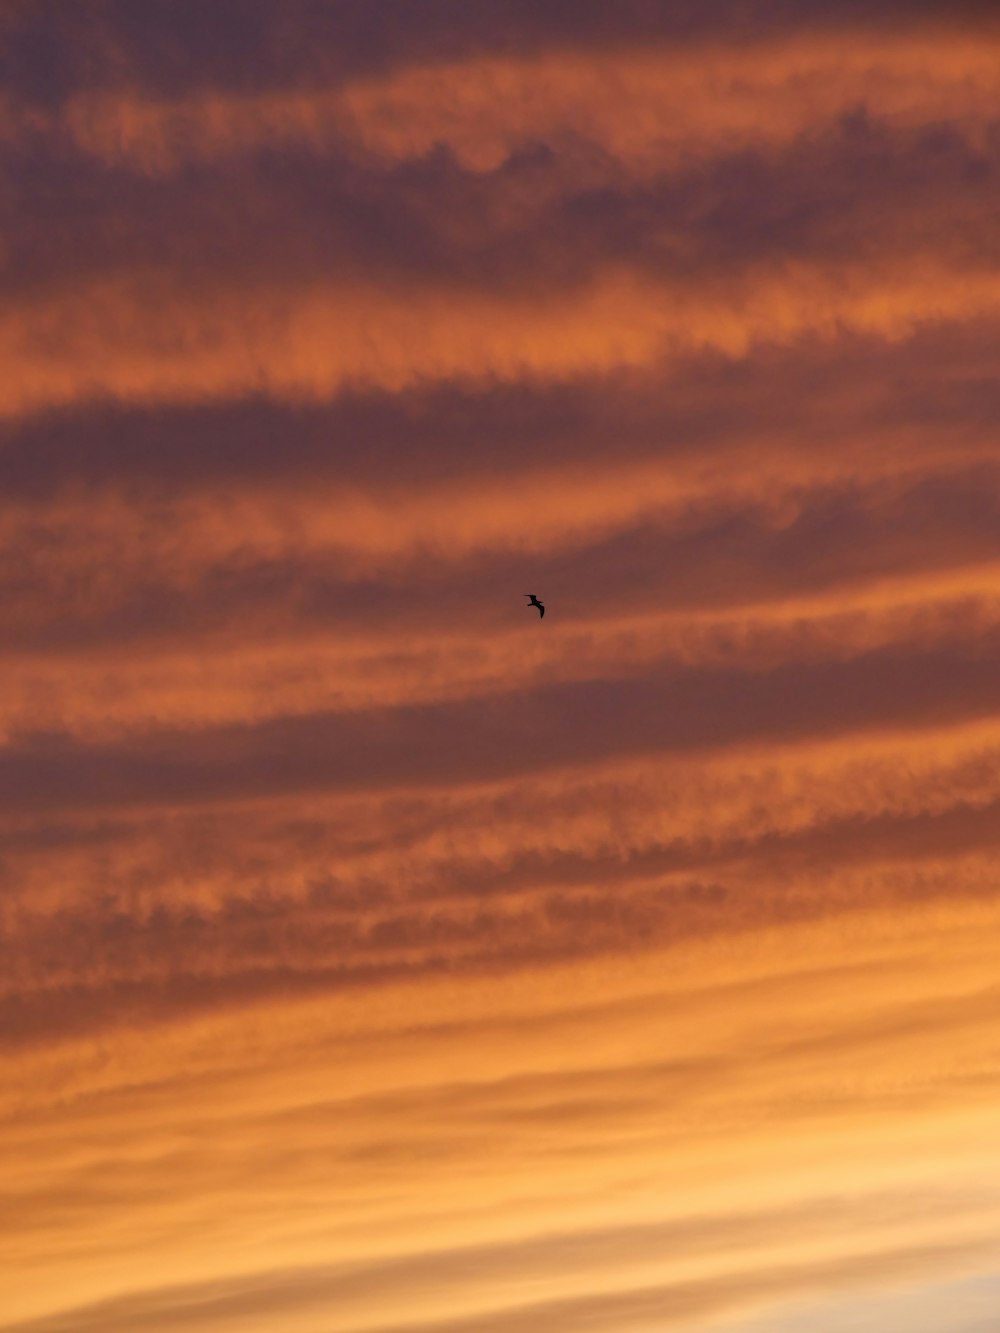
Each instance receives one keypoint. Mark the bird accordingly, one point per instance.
(533, 601)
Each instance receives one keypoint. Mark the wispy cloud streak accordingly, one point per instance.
(376, 955)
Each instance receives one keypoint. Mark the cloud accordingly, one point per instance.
(375, 953)
(603, 1098)
(304, 345)
(303, 1297)
(50, 54)
(672, 709)
(552, 229)
(144, 917)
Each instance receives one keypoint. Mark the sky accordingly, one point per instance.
(377, 956)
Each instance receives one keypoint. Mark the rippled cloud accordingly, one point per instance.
(376, 954)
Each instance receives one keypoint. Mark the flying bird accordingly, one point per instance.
(533, 601)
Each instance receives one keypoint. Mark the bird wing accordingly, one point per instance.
(541, 610)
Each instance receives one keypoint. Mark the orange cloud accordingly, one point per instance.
(572, 1102)
(647, 107)
(96, 342)
(377, 954)
(520, 275)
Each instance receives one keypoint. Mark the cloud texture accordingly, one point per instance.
(376, 956)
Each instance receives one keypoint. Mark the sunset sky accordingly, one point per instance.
(376, 956)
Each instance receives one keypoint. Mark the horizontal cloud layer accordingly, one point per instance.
(377, 954)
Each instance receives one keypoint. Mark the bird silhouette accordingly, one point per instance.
(533, 601)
